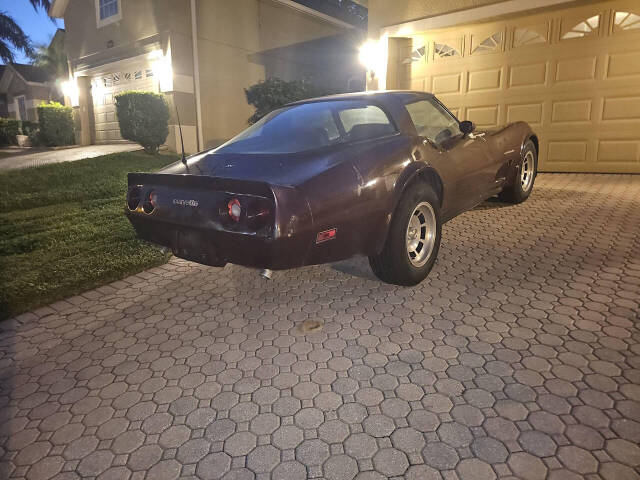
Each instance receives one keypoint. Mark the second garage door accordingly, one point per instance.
(573, 74)
(119, 78)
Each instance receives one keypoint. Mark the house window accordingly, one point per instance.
(492, 43)
(108, 11)
(22, 108)
(444, 51)
(417, 55)
(588, 26)
(108, 8)
(527, 36)
(626, 21)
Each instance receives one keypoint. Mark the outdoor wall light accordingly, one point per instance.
(370, 56)
(162, 70)
(70, 89)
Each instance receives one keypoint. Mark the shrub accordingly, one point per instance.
(273, 93)
(9, 128)
(29, 128)
(32, 130)
(143, 118)
(56, 124)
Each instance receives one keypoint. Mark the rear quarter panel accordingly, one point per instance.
(355, 196)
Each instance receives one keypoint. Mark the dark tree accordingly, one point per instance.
(12, 37)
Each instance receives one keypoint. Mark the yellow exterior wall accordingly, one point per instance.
(229, 34)
(383, 13)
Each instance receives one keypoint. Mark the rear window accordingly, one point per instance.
(312, 125)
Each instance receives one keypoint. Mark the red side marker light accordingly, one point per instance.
(326, 235)
(235, 209)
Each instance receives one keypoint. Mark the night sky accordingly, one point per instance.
(35, 24)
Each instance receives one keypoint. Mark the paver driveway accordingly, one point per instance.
(519, 355)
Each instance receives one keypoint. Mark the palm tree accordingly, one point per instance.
(51, 58)
(11, 35)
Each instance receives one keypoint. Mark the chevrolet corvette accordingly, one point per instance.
(324, 179)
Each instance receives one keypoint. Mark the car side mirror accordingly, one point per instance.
(467, 127)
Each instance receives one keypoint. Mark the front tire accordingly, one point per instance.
(413, 240)
(524, 177)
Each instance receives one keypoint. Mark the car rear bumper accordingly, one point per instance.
(217, 247)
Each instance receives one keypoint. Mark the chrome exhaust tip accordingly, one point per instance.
(266, 273)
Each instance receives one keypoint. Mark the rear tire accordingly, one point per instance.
(525, 176)
(413, 240)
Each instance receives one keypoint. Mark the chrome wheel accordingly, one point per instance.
(527, 171)
(421, 234)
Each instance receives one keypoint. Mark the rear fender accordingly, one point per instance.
(414, 172)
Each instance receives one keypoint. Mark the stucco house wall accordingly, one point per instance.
(231, 39)
(383, 13)
(14, 85)
(230, 35)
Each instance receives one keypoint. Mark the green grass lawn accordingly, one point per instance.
(63, 229)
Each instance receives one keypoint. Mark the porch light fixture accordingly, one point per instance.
(162, 70)
(371, 56)
(70, 89)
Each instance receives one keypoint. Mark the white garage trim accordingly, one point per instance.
(467, 16)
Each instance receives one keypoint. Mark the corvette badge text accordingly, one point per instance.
(185, 203)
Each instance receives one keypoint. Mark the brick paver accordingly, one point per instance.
(518, 356)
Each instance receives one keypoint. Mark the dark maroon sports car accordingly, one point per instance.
(321, 180)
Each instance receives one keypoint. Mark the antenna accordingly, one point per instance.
(184, 159)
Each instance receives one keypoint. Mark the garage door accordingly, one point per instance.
(573, 74)
(104, 87)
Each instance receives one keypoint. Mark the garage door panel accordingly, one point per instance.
(618, 151)
(623, 65)
(528, 75)
(530, 113)
(450, 83)
(572, 151)
(566, 111)
(483, 117)
(572, 74)
(484, 79)
(573, 69)
(621, 108)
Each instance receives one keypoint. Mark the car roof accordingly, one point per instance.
(400, 96)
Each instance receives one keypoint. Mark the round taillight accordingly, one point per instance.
(133, 197)
(150, 202)
(235, 209)
(258, 214)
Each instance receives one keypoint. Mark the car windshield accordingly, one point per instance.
(433, 121)
(313, 125)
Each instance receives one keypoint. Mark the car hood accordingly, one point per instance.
(276, 169)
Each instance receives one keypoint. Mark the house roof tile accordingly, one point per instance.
(31, 73)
